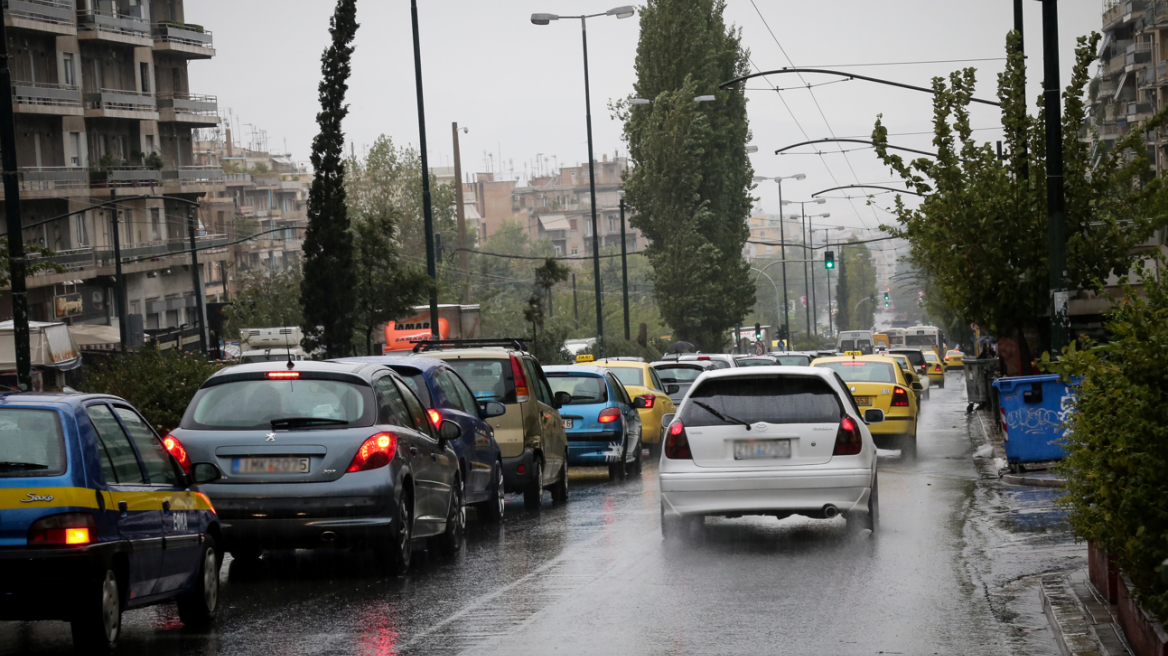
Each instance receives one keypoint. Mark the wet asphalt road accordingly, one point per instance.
(949, 573)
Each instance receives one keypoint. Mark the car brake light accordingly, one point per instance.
(899, 397)
(63, 529)
(847, 438)
(703, 357)
(676, 443)
(176, 449)
(375, 453)
(609, 415)
(854, 364)
(649, 400)
(521, 393)
(283, 375)
(435, 417)
(937, 367)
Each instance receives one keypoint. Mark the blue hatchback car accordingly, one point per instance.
(98, 515)
(447, 396)
(602, 422)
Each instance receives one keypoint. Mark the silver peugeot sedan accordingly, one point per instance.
(773, 441)
(320, 454)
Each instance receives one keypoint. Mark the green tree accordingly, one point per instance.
(327, 293)
(980, 232)
(159, 384)
(857, 280)
(266, 299)
(37, 261)
(690, 187)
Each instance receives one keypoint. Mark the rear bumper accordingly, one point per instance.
(513, 479)
(602, 449)
(45, 583)
(764, 493)
(305, 533)
(891, 429)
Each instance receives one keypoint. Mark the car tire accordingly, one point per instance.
(858, 521)
(560, 489)
(98, 623)
(533, 493)
(908, 446)
(941, 385)
(616, 470)
(636, 465)
(198, 608)
(491, 510)
(397, 552)
(450, 542)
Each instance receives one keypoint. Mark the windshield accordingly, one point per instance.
(930, 356)
(915, 357)
(862, 371)
(585, 389)
(253, 404)
(793, 360)
(752, 362)
(629, 376)
(678, 373)
(31, 443)
(771, 399)
(920, 340)
(489, 380)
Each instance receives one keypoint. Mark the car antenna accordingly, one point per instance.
(287, 346)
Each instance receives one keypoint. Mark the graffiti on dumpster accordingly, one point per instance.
(1035, 419)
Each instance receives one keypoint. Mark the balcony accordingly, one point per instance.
(236, 179)
(1138, 53)
(193, 179)
(191, 109)
(1116, 14)
(52, 16)
(110, 27)
(53, 181)
(188, 41)
(120, 103)
(125, 176)
(45, 98)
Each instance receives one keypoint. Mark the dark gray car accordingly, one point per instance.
(679, 376)
(320, 454)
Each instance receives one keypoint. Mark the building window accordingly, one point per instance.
(588, 224)
(144, 70)
(572, 224)
(576, 251)
(155, 224)
(613, 225)
(67, 65)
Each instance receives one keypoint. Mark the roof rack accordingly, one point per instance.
(436, 344)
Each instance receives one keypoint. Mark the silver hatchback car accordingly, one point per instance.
(318, 454)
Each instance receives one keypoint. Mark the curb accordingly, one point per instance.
(1033, 481)
(1082, 624)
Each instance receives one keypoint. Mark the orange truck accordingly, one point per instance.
(454, 322)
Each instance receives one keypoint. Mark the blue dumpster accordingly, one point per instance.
(1033, 410)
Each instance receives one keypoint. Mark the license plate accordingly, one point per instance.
(567, 423)
(863, 400)
(270, 466)
(760, 449)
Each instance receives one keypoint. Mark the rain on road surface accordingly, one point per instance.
(946, 575)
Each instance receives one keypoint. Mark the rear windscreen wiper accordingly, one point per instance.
(726, 418)
(22, 465)
(301, 422)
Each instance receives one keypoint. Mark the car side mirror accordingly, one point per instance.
(639, 402)
(873, 416)
(917, 387)
(492, 409)
(562, 399)
(203, 473)
(449, 430)
(667, 419)
(672, 389)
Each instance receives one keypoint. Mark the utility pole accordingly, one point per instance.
(1025, 173)
(575, 305)
(806, 286)
(624, 267)
(115, 227)
(16, 263)
(1056, 229)
(427, 210)
(460, 212)
(811, 256)
(827, 245)
(592, 196)
(197, 283)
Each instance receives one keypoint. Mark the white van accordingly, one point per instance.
(855, 340)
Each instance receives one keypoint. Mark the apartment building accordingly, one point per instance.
(769, 233)
(104, 113)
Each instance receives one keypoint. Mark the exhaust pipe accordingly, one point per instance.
(830, 511)
(329, 536)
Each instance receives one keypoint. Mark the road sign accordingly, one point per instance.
(759, 348)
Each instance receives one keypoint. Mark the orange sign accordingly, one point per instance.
(401, 335)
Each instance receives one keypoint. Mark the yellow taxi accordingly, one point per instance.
(934, 368)
(877, 381)
(954, 360)
(910, 375)
(641, 380)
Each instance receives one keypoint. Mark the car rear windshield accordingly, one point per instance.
(585, 389)
(31, 443)
(915, 357)
(490, 380)
(793, 360)
(253, 404)
(954, 353)
(772, 399)
(679, 373)
(862, 371)
(248, 358)
(416, 382)
(931, 357)
(629, 375)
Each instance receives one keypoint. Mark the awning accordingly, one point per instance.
(50, 344)
(96, 338)
(1103, 46)
(554, 222)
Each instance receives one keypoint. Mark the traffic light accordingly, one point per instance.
(887, 304)
(757, 332)
(829, 260)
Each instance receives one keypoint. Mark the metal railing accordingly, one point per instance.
(166, 33)
(57, 12)
(193, 175)
(189, 103)
(95, 20)
(124, 176)
(120, 100)
(237, 178)
(45, 94)
(52, 178)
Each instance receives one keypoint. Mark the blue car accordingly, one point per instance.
(602, 422)
(447, 396)
(97, 516)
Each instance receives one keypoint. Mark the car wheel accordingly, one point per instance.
(398, 550)
(533, 495)
(560, 489)
(908, 446)
(198, 608)
(98, 624)
(870, 520)
(635, 465)
(450, 542)
(491, 510)
(941, 385)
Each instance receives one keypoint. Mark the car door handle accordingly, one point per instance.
(165, 506)
(413, 450)
(434, 457)
(123, 507)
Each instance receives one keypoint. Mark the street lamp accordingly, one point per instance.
(808, 279)
(782, 237)
(544, 19)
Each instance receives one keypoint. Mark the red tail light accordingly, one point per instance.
(435, 417)
(375, 453)
(937, 368)
(609, 415)
(521, 393)
(676, 443)
(649, 400)
(899, 397)
(847, 439)
(283, 375)
(63, 529)
(177, 450)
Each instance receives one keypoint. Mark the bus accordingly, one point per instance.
(925, 337)
(855, 340)
(895, 337)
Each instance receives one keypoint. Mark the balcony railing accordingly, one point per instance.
(168, 33)
(52, 178)
(45, 94)
(189, 103)
(124, 176)
(237, 178)
(93, 20)
(120, 100)
(194, 175)
(57, 12)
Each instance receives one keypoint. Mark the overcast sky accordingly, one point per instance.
(519, 87)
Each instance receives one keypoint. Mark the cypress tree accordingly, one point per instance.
(327, 294)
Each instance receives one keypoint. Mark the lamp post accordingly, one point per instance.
(544, 19)
(427, 210)
(783, 242)
(624, 265)
(807, 278)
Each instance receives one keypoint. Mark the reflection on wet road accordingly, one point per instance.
(594, 577)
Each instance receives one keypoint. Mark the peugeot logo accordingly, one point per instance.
(270, 437)
(760, 427)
